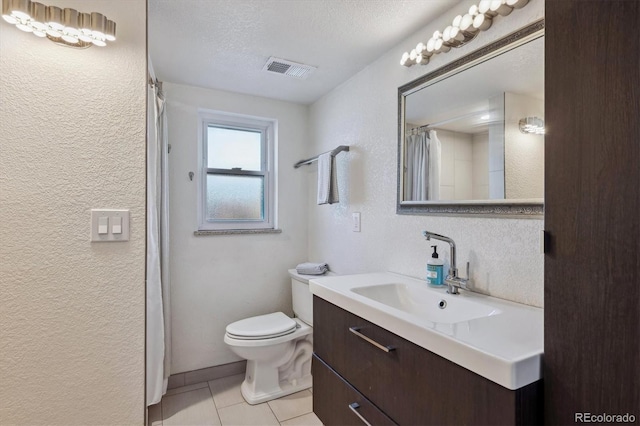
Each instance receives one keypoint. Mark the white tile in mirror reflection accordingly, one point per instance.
(447, 158)
(463, 187)
(481, 159)
(463, 147)
(447, 192)
(496, 184)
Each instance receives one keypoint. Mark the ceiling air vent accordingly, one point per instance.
(292, 69)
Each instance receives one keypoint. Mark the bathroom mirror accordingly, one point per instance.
(471, 134)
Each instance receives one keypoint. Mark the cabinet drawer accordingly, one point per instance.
(409, 383)
(335, 402)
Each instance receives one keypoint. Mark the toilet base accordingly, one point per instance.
(277, 366)
(253, 396)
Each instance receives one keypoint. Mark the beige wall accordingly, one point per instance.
(72, 138)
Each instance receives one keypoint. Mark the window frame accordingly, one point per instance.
(267, 129)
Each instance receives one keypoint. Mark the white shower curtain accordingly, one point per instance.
(417, 167)
(435, 159)
(158, 308)
(422, 162)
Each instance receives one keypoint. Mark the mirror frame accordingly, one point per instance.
(492, 208)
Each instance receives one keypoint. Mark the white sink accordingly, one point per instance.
(426, 304)
(499, 340)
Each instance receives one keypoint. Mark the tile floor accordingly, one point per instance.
(219, 402)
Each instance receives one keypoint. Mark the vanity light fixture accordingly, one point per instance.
(534, 125)
(66, 27)
(462, 30)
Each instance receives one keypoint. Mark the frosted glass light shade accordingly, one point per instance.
(98, 25)
(54, 18)
(24, 27)
(482, 22)
(20, 9)
(98, 42)
(467, 23)
(517, 4)
(6, 13)
(70, 39)
(38, 16)
(404, 58)
(111, 31)
(533, 125)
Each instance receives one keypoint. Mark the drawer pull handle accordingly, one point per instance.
(356, 331)
(354, 407)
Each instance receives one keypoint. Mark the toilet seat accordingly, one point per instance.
(262, 327)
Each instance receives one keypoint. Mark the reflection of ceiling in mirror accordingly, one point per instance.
(460, 102)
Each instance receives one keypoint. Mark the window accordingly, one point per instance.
(237, 172)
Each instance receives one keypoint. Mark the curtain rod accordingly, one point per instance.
(154, 83)
(333, 153)
(447, 121)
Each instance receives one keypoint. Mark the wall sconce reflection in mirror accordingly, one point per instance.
(462, 30)
(533, 125)
(66, 27)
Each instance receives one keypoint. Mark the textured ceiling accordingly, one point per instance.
(223, 44)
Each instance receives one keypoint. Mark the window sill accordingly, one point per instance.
(236, 231)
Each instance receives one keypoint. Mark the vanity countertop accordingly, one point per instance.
(497, 339)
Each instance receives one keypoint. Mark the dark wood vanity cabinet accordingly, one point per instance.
(407, 385)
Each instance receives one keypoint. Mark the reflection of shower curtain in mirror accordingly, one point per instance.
(422, 161)
(417, 164)
(434, 165)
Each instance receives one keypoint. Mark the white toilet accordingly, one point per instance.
(277, 348)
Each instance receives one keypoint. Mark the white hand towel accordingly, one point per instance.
(327, 179)
(309, 268)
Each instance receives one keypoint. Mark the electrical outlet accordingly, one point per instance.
(355, 222)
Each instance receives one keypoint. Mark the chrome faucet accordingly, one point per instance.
(453, 281)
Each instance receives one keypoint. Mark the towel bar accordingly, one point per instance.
(314, 159)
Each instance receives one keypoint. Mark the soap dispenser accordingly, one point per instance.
(435, 269)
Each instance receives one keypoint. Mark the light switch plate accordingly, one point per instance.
(112, 216)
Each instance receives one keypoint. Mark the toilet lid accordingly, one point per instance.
(262, 327)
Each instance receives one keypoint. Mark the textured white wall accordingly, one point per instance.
(524, 153)
(362, 112)
(216, 280)
(72, 126)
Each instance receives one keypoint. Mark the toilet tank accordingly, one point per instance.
(301, 295)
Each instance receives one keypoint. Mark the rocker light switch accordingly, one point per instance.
(109, 225)
(116, 225)
(103, 225)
